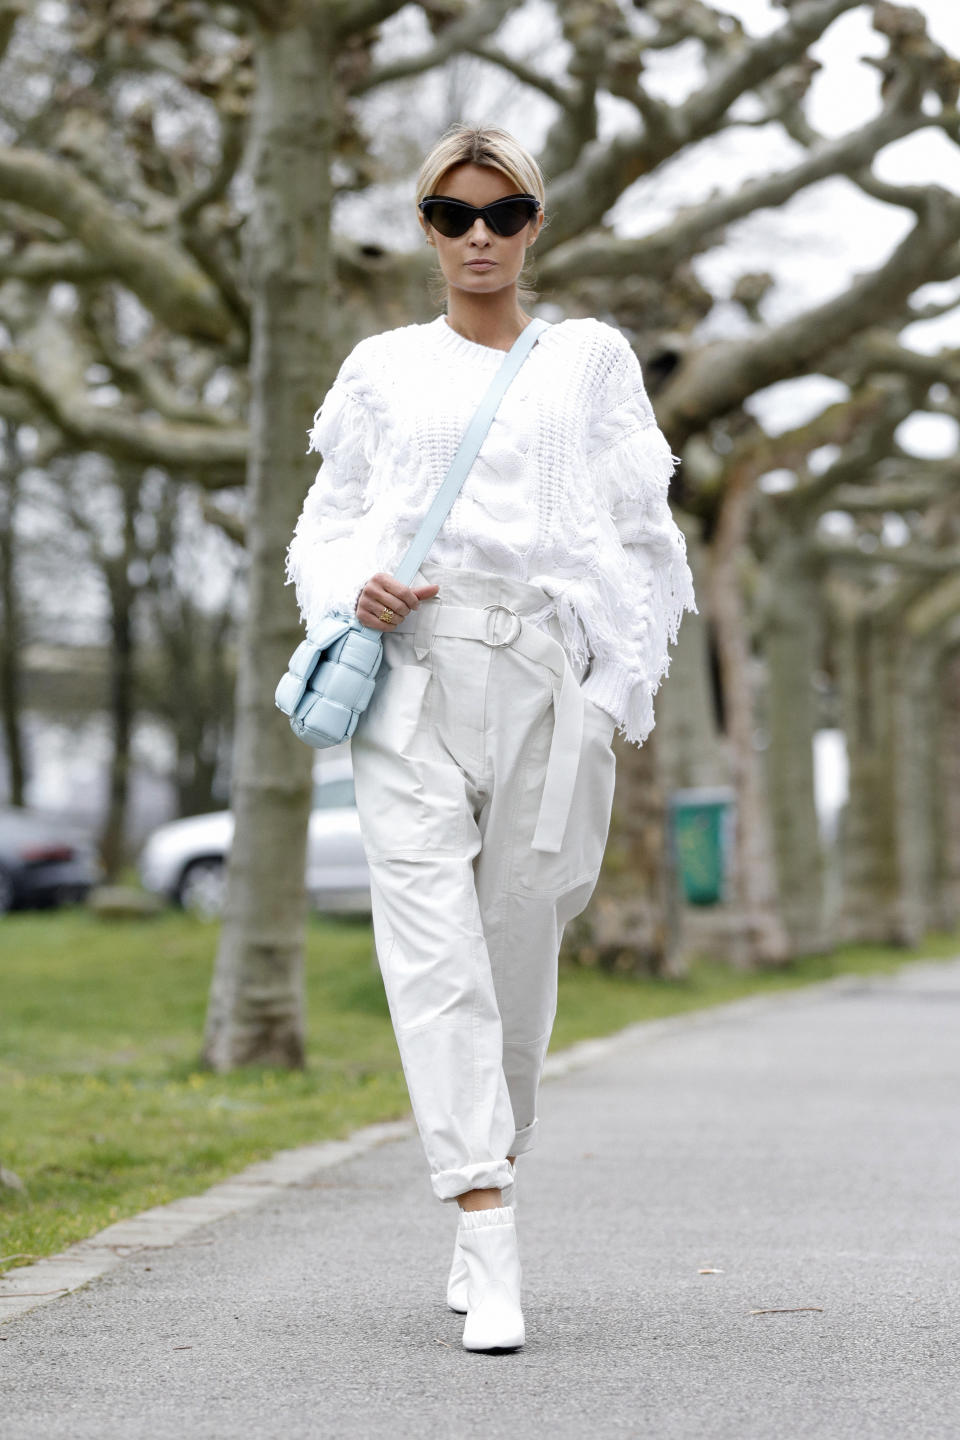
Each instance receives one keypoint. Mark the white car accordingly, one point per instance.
(185, 859)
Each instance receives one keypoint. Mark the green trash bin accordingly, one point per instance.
(701, 820)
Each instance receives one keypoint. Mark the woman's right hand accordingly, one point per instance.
(384, 594)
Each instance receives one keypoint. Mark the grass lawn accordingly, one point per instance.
(105, 1111)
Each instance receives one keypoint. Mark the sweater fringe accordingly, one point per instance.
(334, 549)
(632, 606)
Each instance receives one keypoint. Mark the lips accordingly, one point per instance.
(480, 264)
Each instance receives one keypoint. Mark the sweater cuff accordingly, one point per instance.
(628, 700)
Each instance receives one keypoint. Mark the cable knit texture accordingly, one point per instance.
(568, 492)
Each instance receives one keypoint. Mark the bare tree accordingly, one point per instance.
(223, 235)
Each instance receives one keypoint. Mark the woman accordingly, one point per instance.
(483, 765)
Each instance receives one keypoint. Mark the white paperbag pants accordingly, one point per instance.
(484, 783)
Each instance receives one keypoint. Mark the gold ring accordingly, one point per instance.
(386, 616)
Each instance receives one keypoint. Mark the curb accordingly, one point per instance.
(29, 1286)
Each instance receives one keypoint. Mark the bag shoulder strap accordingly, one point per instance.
(469, 448)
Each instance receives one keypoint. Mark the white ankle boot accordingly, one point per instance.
(488, 1245)
(457, 1279)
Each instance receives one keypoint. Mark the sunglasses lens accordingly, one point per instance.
(450, 219)
(508, 217)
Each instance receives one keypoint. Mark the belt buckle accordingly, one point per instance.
(498, 644)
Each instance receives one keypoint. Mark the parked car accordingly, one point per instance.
(43, 862)
(185, 859)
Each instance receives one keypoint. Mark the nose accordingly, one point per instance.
(478, 234)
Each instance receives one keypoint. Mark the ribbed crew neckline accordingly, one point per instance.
(461, 344)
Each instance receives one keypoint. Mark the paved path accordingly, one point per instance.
(807, 1147)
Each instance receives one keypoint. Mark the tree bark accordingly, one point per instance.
(192, 686)
(11, 638)
(915, 702)
(202, 726)
(122, 679)
(256, 1010)
(762, 939)
(631, 922)
(690, 745)
(946, 912)
(791, 645)
(871, 672)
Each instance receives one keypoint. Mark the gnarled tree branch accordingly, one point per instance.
(655, 253)
(720, 377)
(214, 457)
(167, 281)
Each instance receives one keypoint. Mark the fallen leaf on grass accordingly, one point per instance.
(786, 1309)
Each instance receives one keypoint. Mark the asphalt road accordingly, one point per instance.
(807, 1149)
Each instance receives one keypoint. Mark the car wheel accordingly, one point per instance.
(7, 894)
(202, 887)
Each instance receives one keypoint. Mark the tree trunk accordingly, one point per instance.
(947, 761)
(11, 637)
(631, 922)
(791, 644)
(879, 872)
(122, 679)
(121, 722)
(201, 732)
(915, 702)
(193, 687)
(690, 745)
(256, 1010)
(762, 937)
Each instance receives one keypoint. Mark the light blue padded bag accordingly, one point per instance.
(331, 674)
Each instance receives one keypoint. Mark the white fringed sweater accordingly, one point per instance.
(568, 492)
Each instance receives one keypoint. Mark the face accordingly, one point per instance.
(480, 261)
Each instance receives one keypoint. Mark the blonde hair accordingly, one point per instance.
(481, 145)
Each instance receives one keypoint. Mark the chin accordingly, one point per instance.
(483, 280)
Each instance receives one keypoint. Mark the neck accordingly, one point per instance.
(494, 320)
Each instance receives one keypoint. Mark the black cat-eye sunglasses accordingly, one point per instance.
(455, 217)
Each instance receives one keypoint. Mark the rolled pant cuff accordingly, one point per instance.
(524, 1139)
(484, 1175)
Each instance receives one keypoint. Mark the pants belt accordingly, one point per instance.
(497, 626)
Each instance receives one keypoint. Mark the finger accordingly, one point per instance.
(382, 599)
(374, 608)
(396, 591)
(370, 616)
(383, 590)
(378, 592)
(427, 592)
